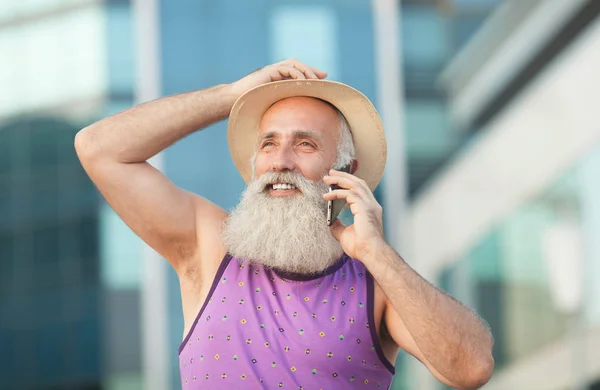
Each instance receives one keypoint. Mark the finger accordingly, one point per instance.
(291, 72)
(355, 202)
(286, 72)
(336, 194)
(310, 74)
(309, 71)
(337, 228)
(348, 182)
(335, 172)
(343, 182)
(356, 208)
(275, 75)
(320, 73)
(313, 72)
(341, 174)
(306, 70)
(349, 196)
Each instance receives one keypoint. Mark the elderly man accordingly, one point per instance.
(273, 296)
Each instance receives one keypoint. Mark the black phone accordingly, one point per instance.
(335, 207)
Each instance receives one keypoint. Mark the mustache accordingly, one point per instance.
(294, 178)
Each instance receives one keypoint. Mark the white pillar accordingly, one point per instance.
(390, 102)
(155, 345)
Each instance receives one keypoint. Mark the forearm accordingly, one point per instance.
(450, 336)
(137, 134)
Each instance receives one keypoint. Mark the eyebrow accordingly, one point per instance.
(297, 134)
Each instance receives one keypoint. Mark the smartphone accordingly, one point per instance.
(335, 207)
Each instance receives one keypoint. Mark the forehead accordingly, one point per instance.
(301, 113)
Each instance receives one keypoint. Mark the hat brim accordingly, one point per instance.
(364, 121)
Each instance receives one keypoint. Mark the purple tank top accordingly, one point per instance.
(259, 329)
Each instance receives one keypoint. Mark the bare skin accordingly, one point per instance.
(297, 135)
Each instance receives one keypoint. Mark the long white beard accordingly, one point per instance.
(287, 233)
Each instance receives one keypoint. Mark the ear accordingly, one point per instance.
(353, 166)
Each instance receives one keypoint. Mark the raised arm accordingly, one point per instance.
(114, 152)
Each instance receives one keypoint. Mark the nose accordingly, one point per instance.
(283, 161)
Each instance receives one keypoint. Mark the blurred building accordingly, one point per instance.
(69, 299)
(508, 222)
(501, 151)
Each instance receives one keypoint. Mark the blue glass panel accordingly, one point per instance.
(50, 342)
(425, 35)
(121, 50)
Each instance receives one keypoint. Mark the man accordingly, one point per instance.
(273, 296)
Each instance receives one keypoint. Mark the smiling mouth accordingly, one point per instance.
(280, 187)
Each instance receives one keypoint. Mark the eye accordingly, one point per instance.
(267, 144)
(307, 144)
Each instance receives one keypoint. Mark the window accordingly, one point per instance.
(307, 33)
(6, 264)
(10, 10)
(45, 245)
(55, 60)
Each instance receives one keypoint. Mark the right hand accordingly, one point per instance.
(284, 70)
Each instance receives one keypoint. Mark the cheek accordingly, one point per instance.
(260, 166)
(314, 169)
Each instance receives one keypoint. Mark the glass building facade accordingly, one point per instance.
(486, 219)
(507, 223)
(49, 270)
(432, 33)
(66, 321)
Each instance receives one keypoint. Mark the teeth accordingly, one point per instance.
(283, 186)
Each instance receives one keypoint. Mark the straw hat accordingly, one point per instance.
(365, 124)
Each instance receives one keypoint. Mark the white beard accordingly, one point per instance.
(286, 233)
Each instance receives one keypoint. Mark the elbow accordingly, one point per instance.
(80, 143)
(479, 373)
(84, 145)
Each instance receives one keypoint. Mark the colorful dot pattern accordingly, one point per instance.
(258, 329)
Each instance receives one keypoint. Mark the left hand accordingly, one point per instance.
(361, 238)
